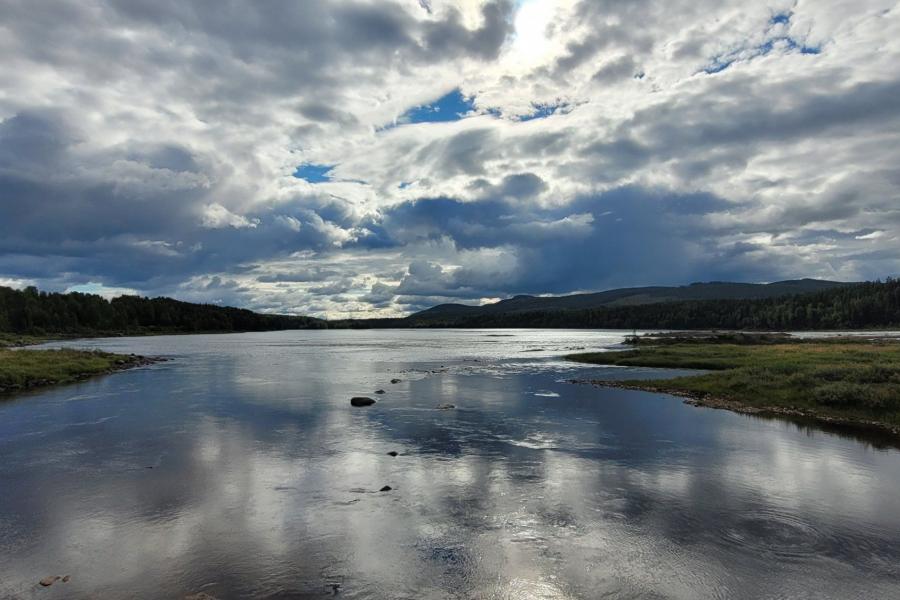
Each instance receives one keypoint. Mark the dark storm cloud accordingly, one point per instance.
(104, 226)
(288, 44)
(701, 122)
(626, 236)
(452, 37)
(619, 68)
(464, 153)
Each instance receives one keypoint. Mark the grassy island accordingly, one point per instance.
(27, 369)
(844, 381)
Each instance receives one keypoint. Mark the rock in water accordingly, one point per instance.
(445, 406)
(395, 381)
(361, 401)
(66, 578)
(49, 580)
(380, 391)
(392, 453)
(386, 488)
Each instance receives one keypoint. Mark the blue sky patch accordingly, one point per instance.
(780, 18)
(314, 173)
(718, 65)
(451, 107)
(722, 62)
(790, 43)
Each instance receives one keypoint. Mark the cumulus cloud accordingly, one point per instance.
(155, 146)
(216, 216)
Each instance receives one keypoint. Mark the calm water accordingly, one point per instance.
(240, 469)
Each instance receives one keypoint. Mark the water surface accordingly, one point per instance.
(239, 469)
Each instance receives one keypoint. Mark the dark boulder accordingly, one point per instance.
(361, 401)
(386, 488)
(380, 392)
(393, 453)
(395, 381)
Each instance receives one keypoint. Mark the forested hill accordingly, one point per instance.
(713, 290)
(37, 313)
(850, 306)
(855, 306)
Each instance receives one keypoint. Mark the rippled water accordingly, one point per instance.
(240, 469)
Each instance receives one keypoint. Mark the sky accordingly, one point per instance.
(376, 157)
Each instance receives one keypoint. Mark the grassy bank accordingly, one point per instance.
(839, 381)
(27, 369)
(14, 340)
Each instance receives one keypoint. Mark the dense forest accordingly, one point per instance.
(29, 311)
(857, 306)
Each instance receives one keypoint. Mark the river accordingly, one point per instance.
(239, 469)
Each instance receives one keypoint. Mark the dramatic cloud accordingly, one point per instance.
(374, 157)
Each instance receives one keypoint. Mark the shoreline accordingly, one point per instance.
(705, 401)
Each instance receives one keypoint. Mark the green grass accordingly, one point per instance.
(11, 340)
(22, 369)
(837, 380)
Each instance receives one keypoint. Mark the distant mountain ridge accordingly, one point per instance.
(636, 296)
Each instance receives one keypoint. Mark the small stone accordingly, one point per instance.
(66, 578)
(395, 381)
(393, 453)
(386, 488)
(361, 401)
(446, 406)
(49, 580)
(380, 392)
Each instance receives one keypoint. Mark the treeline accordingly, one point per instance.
(32, 312)
(859, 306)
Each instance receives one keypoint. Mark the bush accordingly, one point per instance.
(839, 394)
(854, 395)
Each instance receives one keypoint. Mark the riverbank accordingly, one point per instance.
(840, 381)
(23, 369)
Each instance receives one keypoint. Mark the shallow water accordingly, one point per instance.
(240, 469)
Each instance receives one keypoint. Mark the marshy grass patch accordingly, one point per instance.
(26, 368)
(839, 380)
